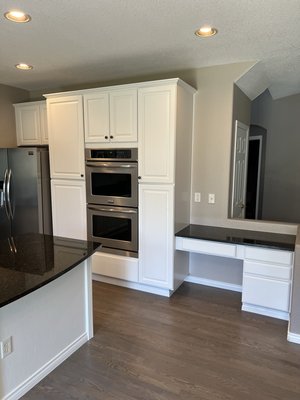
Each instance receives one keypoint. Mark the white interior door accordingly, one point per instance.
(240, 170)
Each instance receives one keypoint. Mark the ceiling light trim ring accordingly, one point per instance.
(206, 32)
(17, 16)
(24, 67)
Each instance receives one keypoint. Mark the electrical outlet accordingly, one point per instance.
(197, 197)
(6, 347)
(211, 198)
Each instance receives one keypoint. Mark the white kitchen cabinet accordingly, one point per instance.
(31, 123)
(158, 118)
(266, 292)
(44, 122)
(165, 139)
(110, 117)
(115, 266)
(156, 235)
(66, 137)
(267, 276)
(157, 124)
(69, 208)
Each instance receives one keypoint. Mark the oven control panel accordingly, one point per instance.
(111, 154)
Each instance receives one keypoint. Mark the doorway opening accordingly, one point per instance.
(255, 172)
(253, 177)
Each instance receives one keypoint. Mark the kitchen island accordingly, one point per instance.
(46, 306)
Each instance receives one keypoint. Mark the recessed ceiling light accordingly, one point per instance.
(206, 31)
(23, 66)
(17, 16)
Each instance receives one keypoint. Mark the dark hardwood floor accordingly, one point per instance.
(196, 345)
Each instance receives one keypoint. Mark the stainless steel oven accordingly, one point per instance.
(112, 197)
(114, 227)
(112, 176)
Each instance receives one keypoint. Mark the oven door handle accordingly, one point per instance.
(123, 211)
(100, 164)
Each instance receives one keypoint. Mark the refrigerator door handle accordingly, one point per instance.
(10, 212)
(12, 245)
(5, 201)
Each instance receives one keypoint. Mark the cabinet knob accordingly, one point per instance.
(106, 137)
(111, 137)
(139, 177)
(81, 175)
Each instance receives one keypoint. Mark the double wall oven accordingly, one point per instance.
(112, 197)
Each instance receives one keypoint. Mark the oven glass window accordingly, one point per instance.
(108, 184)
(112, 228)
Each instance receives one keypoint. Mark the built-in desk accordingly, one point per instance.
(267, 263)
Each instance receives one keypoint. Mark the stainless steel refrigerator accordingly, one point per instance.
(25, 202)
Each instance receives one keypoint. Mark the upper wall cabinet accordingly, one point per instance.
(157, 124)
(31, 123)
(111, 117)
(66, 142)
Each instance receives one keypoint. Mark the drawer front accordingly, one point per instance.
(273, 256)
(114, 266)
(266, 293)
(209, 247)
(268, 270)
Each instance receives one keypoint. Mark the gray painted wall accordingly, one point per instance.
(225, 270)
(8, 96)
(281, 118)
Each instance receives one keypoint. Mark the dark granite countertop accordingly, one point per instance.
(30, 261)
(239, 236)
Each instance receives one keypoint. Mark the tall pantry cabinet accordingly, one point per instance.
(165, 143)
(66, 145)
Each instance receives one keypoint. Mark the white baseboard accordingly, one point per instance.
(293, 337)
(133, 285)
(266, 311)
(209, 282)
(37, 376)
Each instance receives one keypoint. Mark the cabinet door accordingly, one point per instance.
(123, 116)
(157, 116)
(156, 235)
(66, 142)
(28, 124)
(43, 123)
(265, 292)
(69, 208)
(96, 117)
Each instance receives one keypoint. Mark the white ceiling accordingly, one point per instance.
(75, 41)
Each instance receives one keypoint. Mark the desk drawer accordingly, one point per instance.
(268, 270)
(268, 255)
(266, 292)
(209, 247)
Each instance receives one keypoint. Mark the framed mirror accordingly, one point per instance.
(267, 186)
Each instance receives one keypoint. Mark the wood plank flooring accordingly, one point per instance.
(196, 345)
